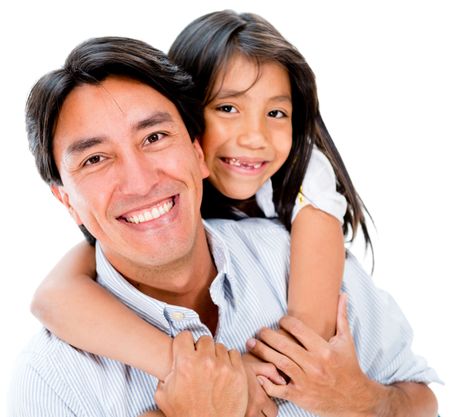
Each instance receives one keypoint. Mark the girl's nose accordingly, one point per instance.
(253, 133)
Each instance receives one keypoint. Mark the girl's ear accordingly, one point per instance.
(60, 193)
(201, 157)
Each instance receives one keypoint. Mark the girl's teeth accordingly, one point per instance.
(237, 163)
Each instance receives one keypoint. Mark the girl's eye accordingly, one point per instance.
(95, 159)
(226, 108)
(154, 137)
(277, 114)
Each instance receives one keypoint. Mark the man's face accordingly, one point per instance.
(130, 172)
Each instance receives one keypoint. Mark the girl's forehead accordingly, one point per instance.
(240, 72)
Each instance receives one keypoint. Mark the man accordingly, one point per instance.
(113, 133)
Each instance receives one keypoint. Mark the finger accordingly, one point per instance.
(221, 352)
(236, 359)
(205, 345)
(302, 333)
(183, 344)
(342, 325)
(284, 344)
(269, 371)
(270, 409)
(285, 364)
(272, 390)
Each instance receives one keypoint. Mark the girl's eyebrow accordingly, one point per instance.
(223, 94)
(282, 97)
(229, 93)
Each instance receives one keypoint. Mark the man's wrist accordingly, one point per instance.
(370, 399)
(386, 401)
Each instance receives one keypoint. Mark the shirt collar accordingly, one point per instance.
(155, 311)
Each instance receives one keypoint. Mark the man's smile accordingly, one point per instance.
(152, 212)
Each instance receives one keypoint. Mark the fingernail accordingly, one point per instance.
(281, 380)
(251, 343)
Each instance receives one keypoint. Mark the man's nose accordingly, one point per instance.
(253, 133)
(137, 174)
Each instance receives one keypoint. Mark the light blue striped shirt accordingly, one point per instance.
(250, 290)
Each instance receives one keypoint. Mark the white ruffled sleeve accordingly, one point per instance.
(319, 188)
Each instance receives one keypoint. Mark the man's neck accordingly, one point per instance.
(184, 283)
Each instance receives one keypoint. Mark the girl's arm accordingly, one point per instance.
(317, 265)
(78, 310)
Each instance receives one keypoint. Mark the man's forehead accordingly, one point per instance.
(116, 97)
(115, 86)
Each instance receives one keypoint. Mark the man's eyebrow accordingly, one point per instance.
(155, 119)
(81, 145)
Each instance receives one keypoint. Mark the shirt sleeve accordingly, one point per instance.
(31, 395)
(319, 188)
(381, 333)
(37, 389)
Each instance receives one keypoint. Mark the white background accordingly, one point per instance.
(383, 75)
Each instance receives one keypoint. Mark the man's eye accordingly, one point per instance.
(154, 137)
(227, 108)
(95, 159)
(277, 114)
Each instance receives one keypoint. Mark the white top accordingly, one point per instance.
(318, 189)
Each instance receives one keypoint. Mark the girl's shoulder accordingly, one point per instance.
(319, 165)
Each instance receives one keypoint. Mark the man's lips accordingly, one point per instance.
(244, 163)
(152, 212)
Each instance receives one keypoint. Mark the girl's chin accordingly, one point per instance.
(233, 193)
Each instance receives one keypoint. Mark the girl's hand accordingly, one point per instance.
(325, 377)
(206, 380)
(258, 401)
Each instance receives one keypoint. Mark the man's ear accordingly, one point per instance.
(201, 157)
(60, 193)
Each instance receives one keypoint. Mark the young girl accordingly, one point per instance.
(269, 154)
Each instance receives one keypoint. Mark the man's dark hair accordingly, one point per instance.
(90, 63)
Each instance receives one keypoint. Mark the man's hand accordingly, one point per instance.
(325, 377)
(207, 380)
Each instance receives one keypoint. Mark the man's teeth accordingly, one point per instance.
(237, 163)
(151, 214)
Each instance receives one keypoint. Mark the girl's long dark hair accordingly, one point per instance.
(205, 47)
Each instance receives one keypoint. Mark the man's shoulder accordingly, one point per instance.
(44, 347)
(39, 375)
(250, 228)
(260, 243)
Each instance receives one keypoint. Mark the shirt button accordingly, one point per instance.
(178, 315)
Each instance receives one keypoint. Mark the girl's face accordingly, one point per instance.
(248, 126)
